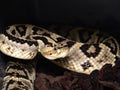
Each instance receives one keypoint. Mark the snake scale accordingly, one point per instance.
(82, 54)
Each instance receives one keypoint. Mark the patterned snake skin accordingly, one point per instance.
(77, 51)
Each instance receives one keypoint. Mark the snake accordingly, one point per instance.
(79, 53)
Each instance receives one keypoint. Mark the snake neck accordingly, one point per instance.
(74, 48)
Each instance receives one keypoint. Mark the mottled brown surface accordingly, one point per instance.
(52, 77)
(2, 70)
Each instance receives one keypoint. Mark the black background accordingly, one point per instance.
(89, 13)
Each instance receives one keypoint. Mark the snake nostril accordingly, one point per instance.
(3, 42)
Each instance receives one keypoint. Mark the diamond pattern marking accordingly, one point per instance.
(90, 50)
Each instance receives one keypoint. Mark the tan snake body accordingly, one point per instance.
(24, 41)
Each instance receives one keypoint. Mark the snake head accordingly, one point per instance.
(52, 53)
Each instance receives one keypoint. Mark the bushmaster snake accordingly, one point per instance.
(24, 41)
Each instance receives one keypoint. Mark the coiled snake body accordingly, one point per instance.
(24, 41)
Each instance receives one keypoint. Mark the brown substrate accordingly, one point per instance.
(52, 77)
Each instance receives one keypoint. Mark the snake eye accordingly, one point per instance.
(55, 48)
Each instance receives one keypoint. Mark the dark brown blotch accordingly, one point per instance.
(100, 61)
(70, 43)
(59, 39)
(13, 32)
(3, 42)
(46, 34)
(8, 48)
(86, 65)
